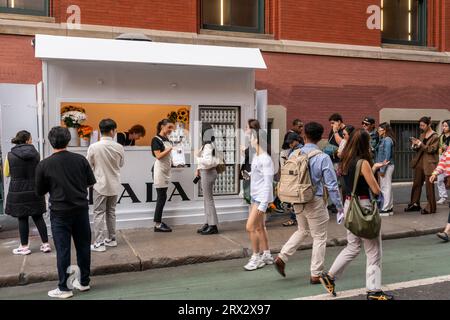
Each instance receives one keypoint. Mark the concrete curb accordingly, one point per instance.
(163, 262)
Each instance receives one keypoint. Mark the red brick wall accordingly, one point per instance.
(332, 21)
(17, 62)
(173, 15)
(446, 26)
(313, 87)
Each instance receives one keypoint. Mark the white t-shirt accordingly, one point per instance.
(261, 180)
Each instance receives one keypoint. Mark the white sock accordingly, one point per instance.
(266, 252)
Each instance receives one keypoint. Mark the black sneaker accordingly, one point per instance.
(413, 208)
(203, 228)
(162, 228)
(380, 295)
(328, 283)
(332, 209)
(210, 230)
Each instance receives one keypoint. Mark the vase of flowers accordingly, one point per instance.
(73, 117)
(85, 132)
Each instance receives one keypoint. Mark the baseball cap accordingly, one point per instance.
(368, 120)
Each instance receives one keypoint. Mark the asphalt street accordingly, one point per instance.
(408, 260)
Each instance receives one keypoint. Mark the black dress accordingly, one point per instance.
(22, 200)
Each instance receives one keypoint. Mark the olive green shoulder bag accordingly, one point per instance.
(362, 222)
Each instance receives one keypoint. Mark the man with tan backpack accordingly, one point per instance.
(303, 178)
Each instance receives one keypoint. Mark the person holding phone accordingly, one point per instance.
(207, 162)
(162, 151)
(423, 163)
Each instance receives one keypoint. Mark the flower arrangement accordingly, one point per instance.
(73, 116)
(172, 116)
(85, 131)
(179, 116)
(183, 115)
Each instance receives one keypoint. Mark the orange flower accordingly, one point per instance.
(85, 131)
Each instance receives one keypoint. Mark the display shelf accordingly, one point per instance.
(225, 121)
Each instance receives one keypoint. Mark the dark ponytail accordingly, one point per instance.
(21, 137)
(162, 123)
(208, 136)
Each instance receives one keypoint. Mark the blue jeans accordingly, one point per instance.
(66, 225)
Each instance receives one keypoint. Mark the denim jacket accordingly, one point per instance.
(385, 152)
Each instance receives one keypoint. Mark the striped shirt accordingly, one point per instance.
(444, 164)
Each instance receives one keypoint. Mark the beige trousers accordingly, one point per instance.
(104, 217)
(312, 220)
(373, 250)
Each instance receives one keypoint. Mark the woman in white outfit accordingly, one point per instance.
(261, 192)
(161, 149)
(207, 162)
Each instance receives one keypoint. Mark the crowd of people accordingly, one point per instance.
(355, 165)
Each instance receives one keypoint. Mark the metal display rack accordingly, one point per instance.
(225, 121)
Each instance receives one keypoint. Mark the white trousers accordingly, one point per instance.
(386, 188)
(441, 186)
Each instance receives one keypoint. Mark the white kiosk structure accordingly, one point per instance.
(216, 84)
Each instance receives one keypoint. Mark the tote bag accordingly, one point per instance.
(362, 222)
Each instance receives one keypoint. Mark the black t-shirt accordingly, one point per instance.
(446, 140)
(67, 177)
(123, 139)
(362, 188)
(157, 144)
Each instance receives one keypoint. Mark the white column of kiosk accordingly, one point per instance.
(217, 83)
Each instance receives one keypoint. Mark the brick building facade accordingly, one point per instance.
(322, 57)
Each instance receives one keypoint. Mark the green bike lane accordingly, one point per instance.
(403, 260)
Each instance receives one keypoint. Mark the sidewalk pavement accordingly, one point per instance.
(142, 249)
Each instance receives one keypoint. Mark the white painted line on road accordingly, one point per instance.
(389, 287)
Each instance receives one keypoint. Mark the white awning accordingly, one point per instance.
(110, 50)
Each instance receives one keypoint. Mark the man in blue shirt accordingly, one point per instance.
(313, 216)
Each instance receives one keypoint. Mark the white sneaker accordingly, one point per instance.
(45, 248)
(254, 263)
(111, 242)
(442, 201)
(60, 294)
(77, 285)
(98, 247)
(21, 251)
(267, 258)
